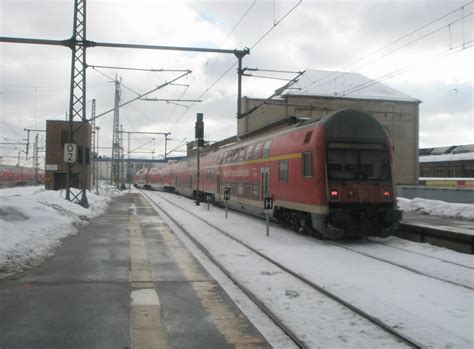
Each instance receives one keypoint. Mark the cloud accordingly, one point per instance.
(326, 35)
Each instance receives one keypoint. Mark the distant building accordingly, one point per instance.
(455, 161)
(318, 93)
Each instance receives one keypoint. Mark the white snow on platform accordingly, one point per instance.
(34, 220)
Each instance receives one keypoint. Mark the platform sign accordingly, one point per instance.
(226, 198)
(70, 153)
(268, 205)
(268, 209)
(226, 193)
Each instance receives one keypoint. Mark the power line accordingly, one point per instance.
(233, 65)
(339, 74)
(450, 51)
(209, 60)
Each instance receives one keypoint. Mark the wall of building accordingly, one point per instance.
(400, 119)
(56, 169)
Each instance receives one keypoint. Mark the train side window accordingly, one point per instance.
(255, 191)
(247, 190)
(266, 149)
(257, 152)
(250, 149)
(224, 157)
(235, 156)
(240, 189)
(242, 154)
(306, 164)
(283, 171)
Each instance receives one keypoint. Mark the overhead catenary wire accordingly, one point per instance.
(207, 62)
(344, 72)
(257, 42)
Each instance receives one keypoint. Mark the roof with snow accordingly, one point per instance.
(344, 85)
(449, 153)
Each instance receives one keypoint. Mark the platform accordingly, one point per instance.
(124, 281)
(451, 233)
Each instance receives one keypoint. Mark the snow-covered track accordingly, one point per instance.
(379, 323)
(426, 255)
(467, 284)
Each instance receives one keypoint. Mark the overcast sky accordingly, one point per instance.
(433, 64)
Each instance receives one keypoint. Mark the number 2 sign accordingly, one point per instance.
(70, 153)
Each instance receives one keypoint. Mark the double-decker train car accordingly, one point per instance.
(332, 176)
(11, 176)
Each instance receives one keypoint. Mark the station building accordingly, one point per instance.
(318, 93)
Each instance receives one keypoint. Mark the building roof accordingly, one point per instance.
(449, 153)
(344, 85)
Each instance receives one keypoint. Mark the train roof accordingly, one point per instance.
(344, 85)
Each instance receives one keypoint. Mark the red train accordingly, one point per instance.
(332, 177)
(11, 176)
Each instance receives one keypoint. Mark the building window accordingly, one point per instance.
(266, 149)
(283, 171)
(307, 164)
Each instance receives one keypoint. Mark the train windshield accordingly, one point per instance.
(356, 161)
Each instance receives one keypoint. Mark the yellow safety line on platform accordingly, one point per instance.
(147, 329)
(230, 322)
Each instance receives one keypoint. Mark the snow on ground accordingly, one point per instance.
(34, 220)
(437, 208)
(429, 309)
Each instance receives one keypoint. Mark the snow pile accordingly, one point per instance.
(34, 220)
(437, 208)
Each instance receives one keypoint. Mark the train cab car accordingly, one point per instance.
(359, 169)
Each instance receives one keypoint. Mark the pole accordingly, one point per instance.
(239, 86)
(267, 219)
(35, 160)
(128, 164)
(97, 128)
(198, 164)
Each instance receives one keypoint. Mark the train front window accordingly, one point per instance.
(357, 162)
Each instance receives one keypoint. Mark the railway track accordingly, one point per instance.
(399, 336)
(399, 265)
(424, 255)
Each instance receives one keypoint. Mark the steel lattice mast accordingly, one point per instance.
(115, 176)
(77, 100)
(78, 44)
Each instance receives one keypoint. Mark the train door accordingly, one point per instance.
(265, 175)
(218, 189)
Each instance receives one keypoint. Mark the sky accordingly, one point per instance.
(421, 48)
